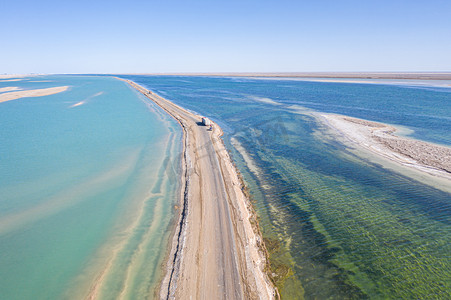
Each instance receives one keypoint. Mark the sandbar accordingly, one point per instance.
(32, 93)
(9, 89)
(380, 139)
(217, 250)
(9, 76)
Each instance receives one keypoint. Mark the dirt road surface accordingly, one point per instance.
(216, 253)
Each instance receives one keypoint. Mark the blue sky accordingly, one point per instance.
(224, 36)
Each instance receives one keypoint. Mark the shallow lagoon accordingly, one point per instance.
(87, 191)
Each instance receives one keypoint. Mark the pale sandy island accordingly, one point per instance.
(31, 93)
(15, 77)
(380, 139)
(217, 249)
(9, 89)
(9, 80)
(9, 76)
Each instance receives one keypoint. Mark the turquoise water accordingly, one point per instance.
(337, 225)
(87, 188)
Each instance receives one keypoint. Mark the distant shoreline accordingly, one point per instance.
(350, 75)
(325, 75)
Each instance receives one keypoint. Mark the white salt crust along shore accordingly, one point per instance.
(380, 139)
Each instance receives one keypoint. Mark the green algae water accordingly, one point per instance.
(87, 190)
(337, 225)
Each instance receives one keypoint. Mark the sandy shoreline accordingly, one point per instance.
(379, 139)
(8, 96)
(216, 252)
